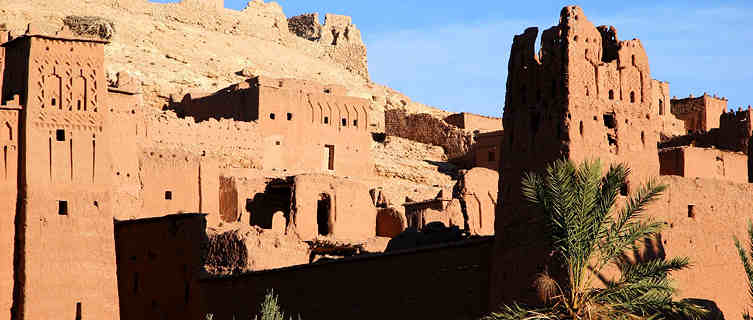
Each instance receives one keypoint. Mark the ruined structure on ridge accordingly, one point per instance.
(587, 95)
(339, 36)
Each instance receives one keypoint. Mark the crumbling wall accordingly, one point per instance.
(351, 214)
(465, 120)
(248, 248)
(428, 129)
(204, 4)
(477, 191)
(584, 95)
(691, 162)
(405, 281)
(338, 36)
(733, 134)
(701, 113)
(660, 104)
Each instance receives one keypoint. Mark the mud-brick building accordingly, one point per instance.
(58, 257)
(306, 127)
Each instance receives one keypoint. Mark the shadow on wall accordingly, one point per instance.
(654, 249)
(262, 208)
(432, 234)
(448, 168)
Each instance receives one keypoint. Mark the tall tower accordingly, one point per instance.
(64, 246)
(585, 95)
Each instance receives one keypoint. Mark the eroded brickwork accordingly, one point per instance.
(338, 36)
(699, 114)
(428, 129)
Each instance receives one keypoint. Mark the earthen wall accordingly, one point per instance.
(487, 150)
(472, 121)
(9, 121)
(428, 129)
(422, 277)
(691, 162)
(701, 113)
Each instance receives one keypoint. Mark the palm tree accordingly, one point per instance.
(586, 237)
(747, 259)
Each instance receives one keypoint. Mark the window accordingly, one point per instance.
(355, 123)
(78, 310)
(79, 104)
(661, 107)
(609, 120)
(632, 97)
(345, 122)
(329, 157)
(60, 135)
(290, 116)
(323, 214)
(611, 94)
(326, 120)
(272, 116)
(168, 195)
(63, 207)
(53, 101)
(691, 211)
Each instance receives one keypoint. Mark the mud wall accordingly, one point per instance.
(428, 129)
(447, 282)
(693, 162)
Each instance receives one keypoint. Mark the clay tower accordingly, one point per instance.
(64, 256)
(585, 95)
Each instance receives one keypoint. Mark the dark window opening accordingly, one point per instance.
(612, 140)
(632, 97)
(535, 122)
(326, 120)
(581, 128)
(290, 116)
(136, 283)
(492, 155)
(323, 214)
(329, 154)
(661, 107)
(168, 195)
(632, 58)
(588, 92)
(345, 122)
(277, 143)
(53, 101)
(691, 211)
(79, 104)
(63, 207)
(327, 90)
(60, 135)
(78, 310)
(272, 116)
(611, 94)
(643, 138)
(355, 123)
(609, 121)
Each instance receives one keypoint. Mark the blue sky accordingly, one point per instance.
(453, 54)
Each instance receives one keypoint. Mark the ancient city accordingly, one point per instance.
(180, 160)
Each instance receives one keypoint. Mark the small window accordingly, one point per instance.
(326, 120)
(355, 123)
(79, 104)
(691, 211)
(272, 116)
(78, 310)
(53, 102)
(290, 116)
(60, 135)
(345, 122)
(168, 195)
(632, 97)
(610, 121)
(611, 94)
(63, 207)
(661, 107)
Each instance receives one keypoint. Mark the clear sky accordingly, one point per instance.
(453, 54)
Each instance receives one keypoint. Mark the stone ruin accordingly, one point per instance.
(338, 35)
